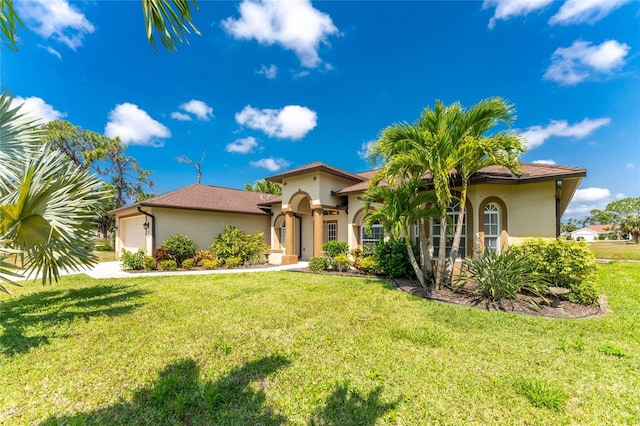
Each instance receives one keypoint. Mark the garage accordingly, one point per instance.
(132, 233)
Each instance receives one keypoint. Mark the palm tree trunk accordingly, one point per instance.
(414, 263)
(440, 267)
(425, 251)
(455, 246)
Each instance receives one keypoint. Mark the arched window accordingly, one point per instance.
(377, 234)
(452, 221)
(492, 227)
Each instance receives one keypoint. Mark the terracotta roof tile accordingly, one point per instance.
(210, 198)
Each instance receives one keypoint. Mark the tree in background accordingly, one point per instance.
(265, 186)
(198, 165)
(48, 205)
(626, 215)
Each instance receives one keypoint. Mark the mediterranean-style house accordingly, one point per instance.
(321, 203)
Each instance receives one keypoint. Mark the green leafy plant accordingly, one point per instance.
(541, 394)
(233, 243)
(341, 262)
(132, 261)
(168, 265)
(567, 264)
(611, 349)
(149, 263)
(181, 247)
(188, 263)
(393, 259)
(202, 255)
(212, 263)
(334, 248)
(368, 265)
(502, 275)
(233, 262)
(318, 263)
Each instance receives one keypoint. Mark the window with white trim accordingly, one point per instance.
(377, 234)
(452, 221)
(331, 231)
(492, 227)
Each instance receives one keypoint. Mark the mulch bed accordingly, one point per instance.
(524, 304)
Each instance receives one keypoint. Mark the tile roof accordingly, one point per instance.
(312, 167)
(531, 172)
(210, 198)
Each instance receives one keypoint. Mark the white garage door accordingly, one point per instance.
(132, 233)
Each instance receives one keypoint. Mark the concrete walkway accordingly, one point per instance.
(114, 270)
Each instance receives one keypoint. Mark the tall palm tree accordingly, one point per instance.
(474, 150)
(170, 20)
(403, 203)
(48, 206)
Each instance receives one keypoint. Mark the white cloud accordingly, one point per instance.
(364, 149)
(134, 126)
(51, 50)
(631, 166)
(242, 146)
(271, 164)
(290, 122)
(180, 116)
(544, 162)
(591, 194)
(37, 108)
(201, 110)
(505, 9)
(55, 19)
(589, 11)
(295, 25)
(581, 61)
(537, 135)
(585, 200)
(270, 72)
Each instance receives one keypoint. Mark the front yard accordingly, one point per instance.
(292, 348)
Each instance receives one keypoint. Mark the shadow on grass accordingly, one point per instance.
(25, 320)
(348, 407)
(179, 398)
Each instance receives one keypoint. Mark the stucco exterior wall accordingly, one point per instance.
(531, 208)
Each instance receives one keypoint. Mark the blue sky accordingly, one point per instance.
(269, 86)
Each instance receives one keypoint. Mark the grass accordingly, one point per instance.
(288, 348)
(617, 250)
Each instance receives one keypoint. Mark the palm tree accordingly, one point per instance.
(48, 206)
(170, 20)
(403, 203)
(265, 186)
(475, 151)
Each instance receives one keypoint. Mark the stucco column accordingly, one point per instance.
(289, 256)
(317, 232)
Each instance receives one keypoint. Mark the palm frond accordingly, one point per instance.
(170, 19)
(9, 24)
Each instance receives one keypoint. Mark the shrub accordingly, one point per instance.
(502, 275)
(103, 244)
(149, 263)
(233, 243)
(341, 262)
(162, 253)
(233, 262)
(334, 248)
(168, 265)
(210, 263)
(368, 265)
(318, 263)
(393, 259)
(188, 263)
(202, 255)
(132, 261)
(181, 247)
(570, 265)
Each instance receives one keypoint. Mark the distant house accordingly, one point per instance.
(320, 202)
(593, 232)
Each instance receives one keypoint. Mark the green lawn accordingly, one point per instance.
(289, 348)
(620, 250)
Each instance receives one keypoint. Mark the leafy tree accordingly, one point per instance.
(170, 20)
(265, 186)
(626, 214)
(48, 205)
(600, 217)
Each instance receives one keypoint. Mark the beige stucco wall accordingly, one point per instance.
(318, 185)
(202, 226)
(531, 208)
